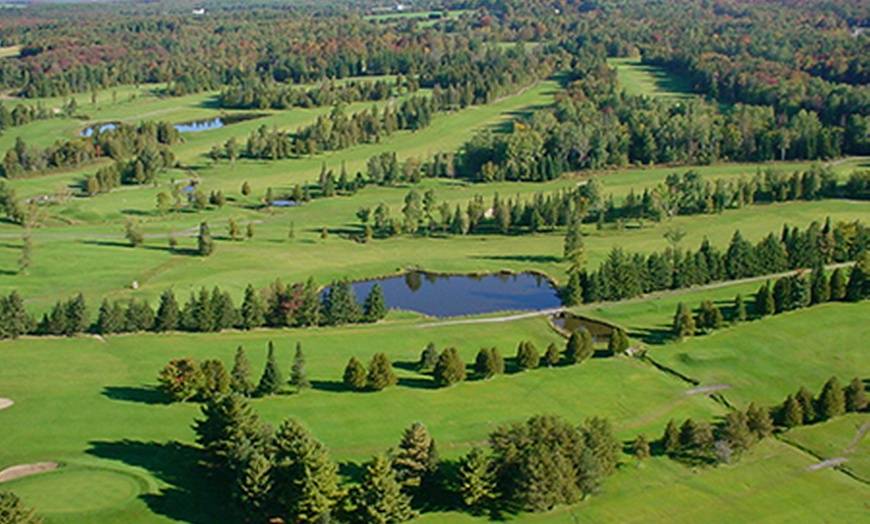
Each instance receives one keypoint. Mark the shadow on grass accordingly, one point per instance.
(191, 496)
(656, 336)
(417, 382)
(329, 385)
(539, 259)
(142, 395)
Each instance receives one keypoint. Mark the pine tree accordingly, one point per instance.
(204, 242)
(855, 396)
(216, 380)
(254, 488)
(572, 293)
(497, 362)
(527, 356)
(619, 342)
(381, 374)
(791, 413)
(449, 369)
(379, 498)
(375, 306)
(764, 304)
(640, 448)
(13, 510)
(168, 314)
(308, 313)
(413, 460)
(671, 439)
(228, 422)
(272, 378)
(820, 289)
(428, 358)
(739, 309)
(181, 379)
(832, 401)
(77, 315)
(858, 287)
(735, 431)
(240, 375)
(838, 285)
(684, 322)
(251, 313)
(306, 480)
(110, 318)
(552, 357)
(573, 238)
(298, 378)
(476, 483)
(759, 421)
(805, 399)
(599, 437)
(484, 363)
(233, 230)
(355, 375)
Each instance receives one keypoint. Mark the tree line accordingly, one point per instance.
(280, 305)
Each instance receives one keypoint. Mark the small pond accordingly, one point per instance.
(195, 126)
(459, 295)
(97, 128)
(570, 322)
(284, 203)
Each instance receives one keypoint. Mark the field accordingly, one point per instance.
(127, 456)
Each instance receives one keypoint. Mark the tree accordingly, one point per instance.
(340, 305)
(181, 379)
(855, 396)
(858, 287)
(671, 439)
(414, 459)
(246, 188)
(110, 318)
(291, 233)
(355, 375)
(13, 510)
(133, 233)
(306, 482)
(735, 431)
(820, 289)
(449, 369)
(573, 238)
(272, 378)
(379, 498)
(428, 358)
(168, 316)
(832, 401)
(240, 375)
(527, 355)
(497, 361)
(791, 413)
(805, 399)
(838, 285)
(204, 242)
(254, 488)
(251, 313)
(484, 363)
(764, 304)
(684, 322)
(298, 378)
(619, 342)
(215, 379)
(739, 309)
(249, 231)
(552, 357)
(579, 347)
(375, 306)
(640, 448)
(476, 485)
(228, 424)
(758, 420)
(599, 437)
(381, 374)
(26, 257)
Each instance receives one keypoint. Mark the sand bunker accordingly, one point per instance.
(5, 403)
(24, 470)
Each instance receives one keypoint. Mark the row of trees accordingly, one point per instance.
(622, 275)
(262, 95)
(292, 305)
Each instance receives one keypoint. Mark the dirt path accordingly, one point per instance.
(825, 464)
(5, 403)
(25, 470)
(708, 389)
(853, 446)
(645, 298)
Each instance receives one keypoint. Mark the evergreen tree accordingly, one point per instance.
(13, 510)
(758, 420)
(414, 460)
(740, 259)
(599, 437)
(240, 375)
(764, 304)
(820, 289)
(306, 482)
(228, 422)
(308, 313)
(204, 242)
(375, 306)
(449, 369)
(858, 287)
(855, 396)
(497, 362)
(832, 401)
(735, 431)
(572, 293)
(181, 379)
(110, 318)
(573, 238)
(791, 413)
(527, 356)
(251, 314)
(298, 378)
(484, 363)
(355, 375)
(216, 380)
(671, 439)
(805, 399)
(381, 374)
(640, 448)
(168, 316)
(428, 358)
(619, 342)
(739, 309)
(379, 498)
(838, 285)
(340, 305)
(77, 315)
(272, 378)
(254, 488)
(684, 322)
(552, 357)
(476, 485)
(14, 319)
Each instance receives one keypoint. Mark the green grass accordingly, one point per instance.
(641, 79)
(838, 438)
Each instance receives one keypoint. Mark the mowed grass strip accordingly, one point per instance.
(642, 79)
(843, 437)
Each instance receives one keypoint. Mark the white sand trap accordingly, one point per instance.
(24, 470)
(5, 403)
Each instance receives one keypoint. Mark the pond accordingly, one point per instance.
(460, 295)
(195, 126)
(98, 128)
(571, 322)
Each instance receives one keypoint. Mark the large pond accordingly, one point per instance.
(195, 126)
(459, 295)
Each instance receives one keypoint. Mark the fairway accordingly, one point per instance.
(641, 79)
